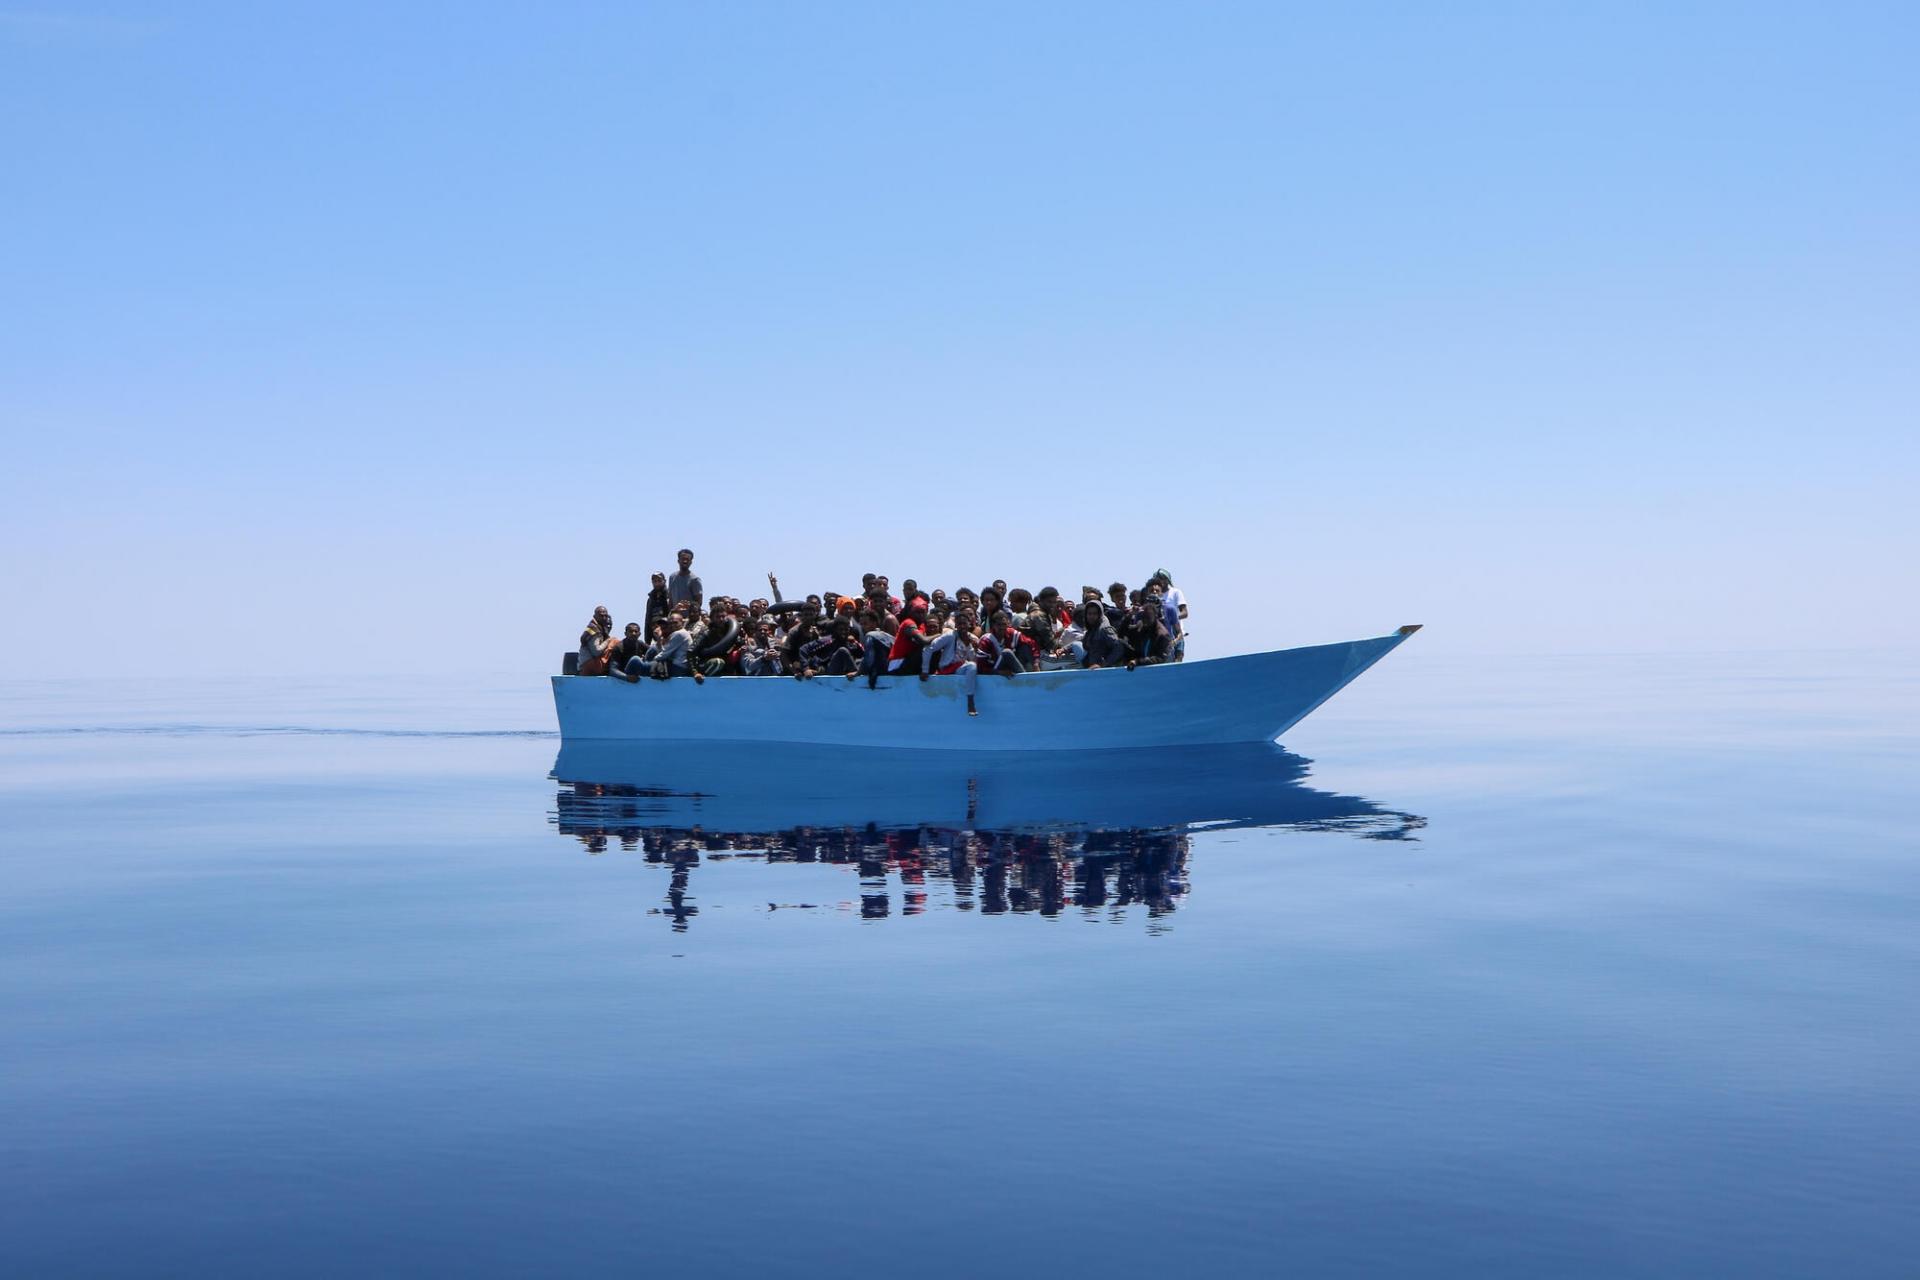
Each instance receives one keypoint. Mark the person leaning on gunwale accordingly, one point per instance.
(964, 633)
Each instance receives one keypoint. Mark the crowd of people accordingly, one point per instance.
(995, 630)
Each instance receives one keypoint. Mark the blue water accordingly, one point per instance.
(1584, 966)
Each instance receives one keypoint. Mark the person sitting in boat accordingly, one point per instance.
(671, 653)
(594, 642)
(802, 630)
(1100, 644)
(909, 639)
(760, 653)
(627, 657)
(714, 638)
(835, 651)
(1145, 631)
(998, 646)
(1116, 606)
(1176, 605)
(956, 653)
(991, 603)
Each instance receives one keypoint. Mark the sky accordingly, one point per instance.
(393, 338)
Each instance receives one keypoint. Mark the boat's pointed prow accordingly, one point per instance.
(1409, 629)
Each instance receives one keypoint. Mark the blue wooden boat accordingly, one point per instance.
(1254, 697)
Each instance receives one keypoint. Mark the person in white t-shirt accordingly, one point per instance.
(1177, 598)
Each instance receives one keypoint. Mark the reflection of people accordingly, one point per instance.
(995, 872)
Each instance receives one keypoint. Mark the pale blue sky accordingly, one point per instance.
(379, 337)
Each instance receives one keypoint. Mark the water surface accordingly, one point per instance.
(1596, 966)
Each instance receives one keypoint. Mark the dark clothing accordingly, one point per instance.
(1104, 646)
(1146, 635)
(824, 651)
(628, 648)
(657, 605)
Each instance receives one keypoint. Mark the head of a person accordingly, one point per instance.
(1049, 598)
(810, 611)
(880, 581)
(1117, 593)
(719, 612)
(965, 622)
(990, 601)
(1002, 620)
(1090, 593)
(909, 588)
(1000, 585)
(1092, 615)
(1160, 582)
(1019, 600)
(1133, 597)
(917, 608)
(939, 598)
(756, 607)
(1151, 597)
(660, 581)
(966, 598)
(869, 619)
(830, 601)
(815, 603)
(866, 582)
(602, 618)
(633, 631)
(842, 627)
(763, 630)
(686, 559)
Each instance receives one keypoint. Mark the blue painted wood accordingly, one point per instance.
(1251, 698)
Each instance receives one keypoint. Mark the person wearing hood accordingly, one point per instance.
(1100, 645)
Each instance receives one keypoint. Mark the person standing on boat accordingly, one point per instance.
(684, 587)
(657, 604)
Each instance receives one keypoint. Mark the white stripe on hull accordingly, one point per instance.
(1252, 698)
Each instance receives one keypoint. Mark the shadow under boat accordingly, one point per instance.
(1099, 831)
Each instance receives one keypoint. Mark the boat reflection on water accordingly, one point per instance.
(1099, 831)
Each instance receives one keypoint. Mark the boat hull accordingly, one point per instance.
(1251, 698)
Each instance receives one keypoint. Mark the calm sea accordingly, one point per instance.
(1597, 966)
